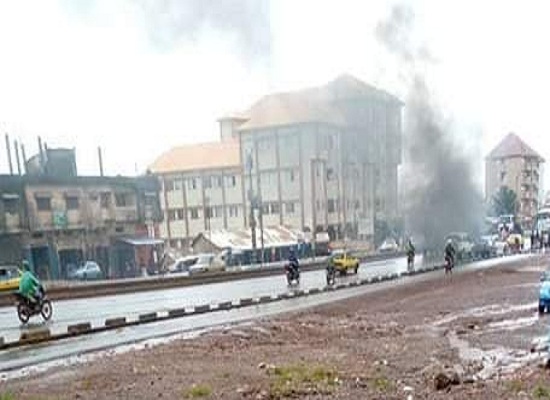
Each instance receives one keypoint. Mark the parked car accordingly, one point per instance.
(388, 246)
(9, 278)
(462, 243)
(344, 262)
(196, 264)
(88, 271)
(483, 248)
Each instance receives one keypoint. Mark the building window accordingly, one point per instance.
(105, 200)
(207, 182)
(275, 208)
(502, 176)
(291, 175)
(330, 174)
(331, 206)
(122, 200)
(44, 203)
(192, 183)
(289, 207)
(219, 181)
(11, 206)
(265, 208)
(194, 213)
(233, 211)
(168, 185)
(217, 211)
(231, 181)
(171, 215)
(72, 203)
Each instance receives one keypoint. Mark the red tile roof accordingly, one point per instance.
(513, 146)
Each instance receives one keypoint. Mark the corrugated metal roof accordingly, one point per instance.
(241, 239)
(213, 155)
(513, 146)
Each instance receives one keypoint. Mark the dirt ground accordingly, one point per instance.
(476, 335)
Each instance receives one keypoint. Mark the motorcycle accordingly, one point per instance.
(292, 274)
(331, 275)
(410, 261)
(449, 265)
(27, 308)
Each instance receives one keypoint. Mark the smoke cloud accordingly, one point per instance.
(440, 192)
(246, 21)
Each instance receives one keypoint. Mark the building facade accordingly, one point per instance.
(515, 165)
(58, 222)
(319, 159)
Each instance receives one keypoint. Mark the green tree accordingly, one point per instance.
(504, 202)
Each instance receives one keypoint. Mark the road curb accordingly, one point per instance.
(115, 322)
(148, 317)
(80, 328)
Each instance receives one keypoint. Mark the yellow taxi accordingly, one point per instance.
(344, 262)
(9, 278)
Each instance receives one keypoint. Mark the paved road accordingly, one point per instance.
(97, 309)
(70, 350)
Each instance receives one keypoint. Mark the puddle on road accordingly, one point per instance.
(490, 310)
(495, 362)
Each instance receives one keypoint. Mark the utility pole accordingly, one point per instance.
(249, 164)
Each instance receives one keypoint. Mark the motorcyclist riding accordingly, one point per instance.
(450, 254)
(29, 285)
(293, 260)
(410, 253)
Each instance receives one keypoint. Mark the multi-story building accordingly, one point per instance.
(201, 190)
(319, 159)
(514, 164)
(58, 220)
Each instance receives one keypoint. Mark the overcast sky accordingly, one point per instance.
(138, 78)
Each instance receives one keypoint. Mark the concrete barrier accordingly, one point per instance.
(299, 293)
(77, 329)
(265, 299)
(226, 305)
(115, 322)
(203, 308)
(246, 302)
(314, 291)
(149, 317)
(177, 312)
(35, 335)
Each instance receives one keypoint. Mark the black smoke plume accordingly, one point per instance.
(440, 193)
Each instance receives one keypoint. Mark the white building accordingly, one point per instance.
(319, 159)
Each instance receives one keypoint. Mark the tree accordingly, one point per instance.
(504, 202)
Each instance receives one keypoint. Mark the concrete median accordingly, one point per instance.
(149, 317)
(203, 308)
(246, 302)
(35, 335)
(177, 313)
(265, 299)
(78, 329)
(226, 305)
(115, 322)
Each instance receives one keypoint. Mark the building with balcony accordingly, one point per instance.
(512, 163)
(58, 222)
(319, 159)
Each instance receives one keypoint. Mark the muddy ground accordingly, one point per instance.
(476, 335)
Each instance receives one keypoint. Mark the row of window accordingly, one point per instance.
(72, 202)
(178, 214)
(275, 208)
(208, 182)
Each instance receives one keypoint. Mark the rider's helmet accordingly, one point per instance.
(25, 265)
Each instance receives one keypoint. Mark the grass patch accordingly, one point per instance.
(515, 386)
(7, 396)
(301, 379)
(198, 391)
(541, 392)
(382, 384)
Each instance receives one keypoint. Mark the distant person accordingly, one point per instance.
(450, 253)
(409, 248)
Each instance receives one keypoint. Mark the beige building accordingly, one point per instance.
(319, 159)
(514, 164)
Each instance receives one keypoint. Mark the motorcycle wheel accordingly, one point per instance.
(22, 313)
(46, 310)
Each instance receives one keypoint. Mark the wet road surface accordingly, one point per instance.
(73, 311)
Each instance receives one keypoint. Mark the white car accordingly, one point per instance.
(194, 264)
(88, 270)
(388, 246)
